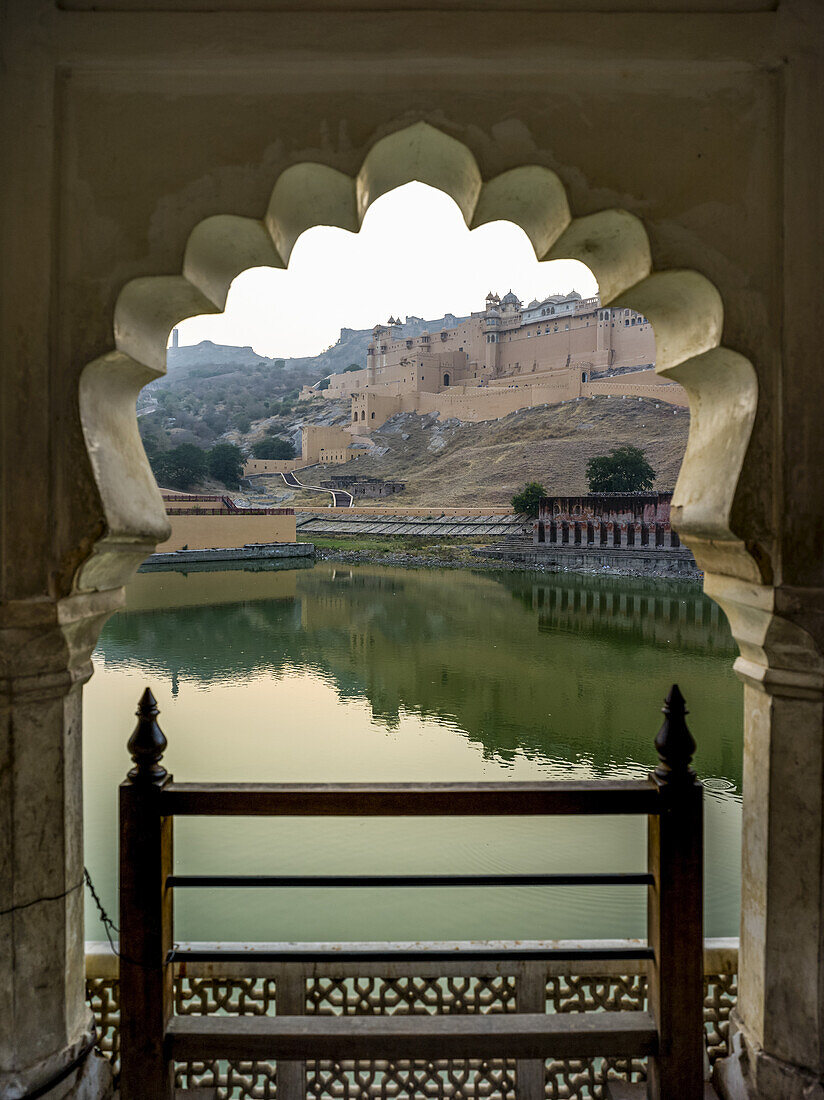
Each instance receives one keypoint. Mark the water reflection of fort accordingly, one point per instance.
(557, 668)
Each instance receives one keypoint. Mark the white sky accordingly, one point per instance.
(413, 255)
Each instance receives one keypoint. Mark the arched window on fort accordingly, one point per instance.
(446, 379)
(584, 376)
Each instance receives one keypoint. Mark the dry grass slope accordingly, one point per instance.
(468, 464)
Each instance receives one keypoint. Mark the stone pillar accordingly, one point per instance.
(46, 1028)
(778, 1025)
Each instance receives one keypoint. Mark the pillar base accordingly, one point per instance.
(750, 1073)
(91, 1079)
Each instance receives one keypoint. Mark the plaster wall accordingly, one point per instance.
(333, 456)
(230, 530)
(318, 439)
(643, 384)
(203, 503)
(253, 466)
(342, 385)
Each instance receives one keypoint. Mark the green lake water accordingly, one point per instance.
(375, 673)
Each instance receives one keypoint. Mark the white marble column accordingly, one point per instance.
(45, 1024)
(778, 1024)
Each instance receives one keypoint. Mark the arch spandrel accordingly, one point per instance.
(683, 307)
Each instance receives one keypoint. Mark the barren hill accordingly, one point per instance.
(450, 463)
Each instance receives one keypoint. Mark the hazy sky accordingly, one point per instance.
(413, 255)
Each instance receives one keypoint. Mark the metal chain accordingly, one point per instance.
(108, 924)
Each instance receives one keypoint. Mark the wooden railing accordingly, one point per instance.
(670, 1035)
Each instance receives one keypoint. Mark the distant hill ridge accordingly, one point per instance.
(350, 347)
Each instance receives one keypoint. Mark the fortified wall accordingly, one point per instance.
(329, 446)
(504, 358)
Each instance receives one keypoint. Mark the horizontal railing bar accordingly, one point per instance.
(720, 957)
(357, 953)
(360, 881)
(473, 1035)
(623, 796)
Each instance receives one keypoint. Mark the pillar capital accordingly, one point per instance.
(780, 634)
(46, 645)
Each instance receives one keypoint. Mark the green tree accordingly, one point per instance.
(322, 385)
(529, 498)
(180, 467)
(273, 447)
(623, 470)
(352, 366)
(226, 464)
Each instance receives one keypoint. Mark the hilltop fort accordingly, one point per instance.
(506, 357)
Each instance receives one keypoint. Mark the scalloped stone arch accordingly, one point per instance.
(684, 308)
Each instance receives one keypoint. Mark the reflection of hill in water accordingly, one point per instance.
(562, 668)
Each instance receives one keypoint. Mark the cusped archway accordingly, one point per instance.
(683, 307)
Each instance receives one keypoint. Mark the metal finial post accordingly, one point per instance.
(674, 742)
(147, 743)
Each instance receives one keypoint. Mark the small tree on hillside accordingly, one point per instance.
(623, 470)
(226, 464)
(273, 447)
(322, 385)
(352, 366)
(529, 498)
